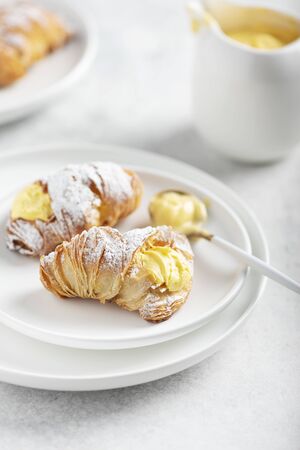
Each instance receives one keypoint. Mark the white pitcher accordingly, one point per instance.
(246, 100)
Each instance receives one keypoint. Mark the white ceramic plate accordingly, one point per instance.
(28, 362)
(27, 307)
(51, 76)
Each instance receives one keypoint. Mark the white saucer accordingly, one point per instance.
(31, 363)
(28, 308)
(50, 77)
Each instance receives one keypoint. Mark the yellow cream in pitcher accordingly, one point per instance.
(260, 28)
(263, 28)
(256, 39)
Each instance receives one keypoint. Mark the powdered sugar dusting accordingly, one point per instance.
(107, 244)
(70, 188)
(14, 40)
(22, 15)
(136, 238)
(70, 195)
(24, 232)
(49, 258)
(119, 185)
(160, 306)
(94, 246)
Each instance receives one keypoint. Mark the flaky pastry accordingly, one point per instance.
(71, 200)
(148, 270)
(27, 33)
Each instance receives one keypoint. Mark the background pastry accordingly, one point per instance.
(27, 33)
(148, 270)
(73, 199)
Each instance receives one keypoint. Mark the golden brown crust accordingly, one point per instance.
(100, 264)
(27, 34)
(81, 197)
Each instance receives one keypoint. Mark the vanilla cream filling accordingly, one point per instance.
(32, 203)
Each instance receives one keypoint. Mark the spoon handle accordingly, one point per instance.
(256, 263)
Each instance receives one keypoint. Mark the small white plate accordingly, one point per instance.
(26, 306)
(28, 362)
(57, 72)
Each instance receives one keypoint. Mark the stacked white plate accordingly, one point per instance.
(49, 343)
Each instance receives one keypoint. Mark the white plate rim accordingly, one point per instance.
(32, 379)
(152, 337)
(66, 82)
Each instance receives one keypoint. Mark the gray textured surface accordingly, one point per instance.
(248, 395)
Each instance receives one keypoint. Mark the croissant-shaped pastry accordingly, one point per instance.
(148, 270)
(71, 200)
(27, 33)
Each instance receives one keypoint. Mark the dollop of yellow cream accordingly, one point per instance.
(256, 39)
(166, 266)
(183, 212)
(32, 203)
